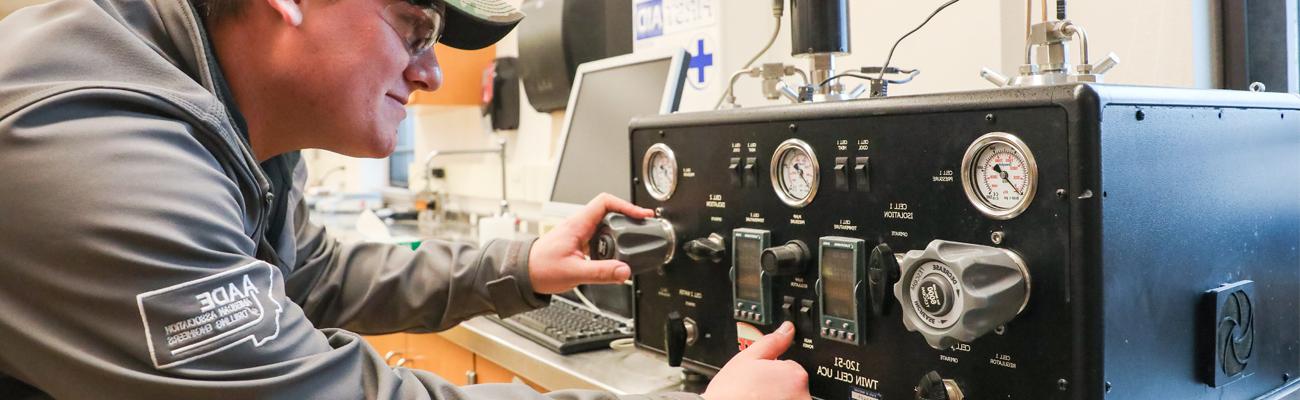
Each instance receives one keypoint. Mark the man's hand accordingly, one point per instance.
(756, 373)
(558, 263)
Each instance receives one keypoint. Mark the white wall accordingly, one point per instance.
(1160, 42)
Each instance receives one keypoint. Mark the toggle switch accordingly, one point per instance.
(842, 174)
(862, 174)
(751, 171)
(733, 169)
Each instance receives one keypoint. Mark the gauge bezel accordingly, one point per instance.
(968, 182)
(658, 148)
(779, 188)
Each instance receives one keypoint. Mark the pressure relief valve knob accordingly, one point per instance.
(956, 292)
(644, 244)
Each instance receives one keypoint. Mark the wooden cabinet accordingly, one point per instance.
(430, 352)
(462, 73)
(390, 346)
(490, 372)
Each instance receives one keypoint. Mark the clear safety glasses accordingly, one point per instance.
(419, 26)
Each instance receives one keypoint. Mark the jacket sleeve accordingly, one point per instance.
(129, 272)
(375, 288)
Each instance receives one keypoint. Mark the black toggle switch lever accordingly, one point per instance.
(675, 338)
(711, 248)
(787, 259)
(644, 244)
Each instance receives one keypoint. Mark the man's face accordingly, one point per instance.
(346, 76)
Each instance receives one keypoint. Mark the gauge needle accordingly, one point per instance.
(998, 168)
(801, 174)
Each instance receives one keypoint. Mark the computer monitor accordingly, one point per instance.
(606, 95)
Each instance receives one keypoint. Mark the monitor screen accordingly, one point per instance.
(595, 155)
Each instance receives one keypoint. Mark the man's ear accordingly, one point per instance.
(289, 10)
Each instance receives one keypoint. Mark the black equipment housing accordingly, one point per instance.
(1149, 200)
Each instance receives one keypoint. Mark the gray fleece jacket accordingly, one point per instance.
(144, 253)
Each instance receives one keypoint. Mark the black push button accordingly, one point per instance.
(862, 174)
(842, 174)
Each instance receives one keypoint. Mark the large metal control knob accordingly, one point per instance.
(785, 260)
(643, 244)
(956, 292)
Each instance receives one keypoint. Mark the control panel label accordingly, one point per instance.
(845, 225)
(715, 201)
(797, 219)
(755, 218)
(688, 173)
(898, 211)
(944, 175)
(1002, 360)
(843, 373)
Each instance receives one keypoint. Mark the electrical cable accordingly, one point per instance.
(586, 302)
(918, 27)
(623, 344)
(911, 74)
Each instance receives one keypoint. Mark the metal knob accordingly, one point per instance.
(785, 260)
(934, 387)
(643, 244)
(712, 248)
(956, 292)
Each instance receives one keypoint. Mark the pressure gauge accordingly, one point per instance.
(1000, 175)
(659, 171)
(795, 173)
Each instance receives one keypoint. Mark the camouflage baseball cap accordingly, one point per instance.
(475, 24)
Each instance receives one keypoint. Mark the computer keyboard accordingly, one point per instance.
(567, 328)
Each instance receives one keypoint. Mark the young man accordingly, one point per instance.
(153, 238)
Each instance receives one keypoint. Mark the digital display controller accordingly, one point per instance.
(748, 270)
(838, 277)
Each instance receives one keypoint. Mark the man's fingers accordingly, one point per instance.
(603, 271)
(605, 203)
(770, 346)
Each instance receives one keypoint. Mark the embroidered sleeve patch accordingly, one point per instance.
(194, 319)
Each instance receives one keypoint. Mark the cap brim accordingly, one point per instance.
(475, 24)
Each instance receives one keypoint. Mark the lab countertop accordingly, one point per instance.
(626, 371)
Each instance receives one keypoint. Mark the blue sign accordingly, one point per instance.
(649, 19)
(700, 60)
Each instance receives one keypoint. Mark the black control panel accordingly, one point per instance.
(1054, 242)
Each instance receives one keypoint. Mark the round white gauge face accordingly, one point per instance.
(659, 171)
(794, 173)
(798, 174)
(1000, 175)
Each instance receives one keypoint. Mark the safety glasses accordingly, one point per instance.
(419, 26)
